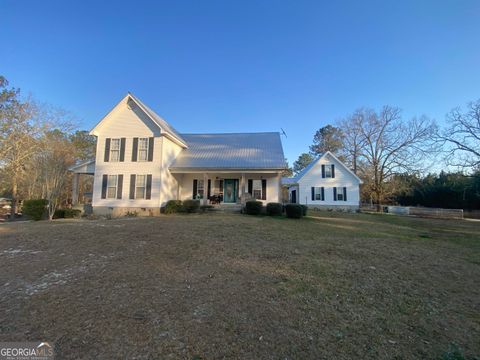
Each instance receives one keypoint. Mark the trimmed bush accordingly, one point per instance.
(274, 209)
(173, 206)
(253, 207)
(191, 206)
(67, 213)
(304, 210)
(294, 211)
(35, 209)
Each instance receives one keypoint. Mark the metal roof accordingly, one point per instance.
(231, 151)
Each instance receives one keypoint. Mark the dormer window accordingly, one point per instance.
(142, 149)
(115, 150)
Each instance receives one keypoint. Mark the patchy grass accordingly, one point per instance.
(230, 286)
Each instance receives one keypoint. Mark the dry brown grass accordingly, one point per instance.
(230, 286)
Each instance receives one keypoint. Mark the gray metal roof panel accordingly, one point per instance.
(231, 151)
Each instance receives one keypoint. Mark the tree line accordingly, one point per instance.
(399, 159)
(38, 144)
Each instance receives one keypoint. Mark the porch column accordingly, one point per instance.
(179, 189)
(242, 189)
(75, 183)
(205, 189)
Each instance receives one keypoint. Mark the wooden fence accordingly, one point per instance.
(426, 212)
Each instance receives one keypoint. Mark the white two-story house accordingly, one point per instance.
(142, 162)
(326, 183)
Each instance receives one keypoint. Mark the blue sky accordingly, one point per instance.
(244, 66)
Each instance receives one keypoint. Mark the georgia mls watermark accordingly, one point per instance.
(26, 351)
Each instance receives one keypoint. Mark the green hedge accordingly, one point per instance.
(274, 209)
(173, 206)
(294, 211)
(253, 207)
(191, 206)
(35, 209)
(67, 213)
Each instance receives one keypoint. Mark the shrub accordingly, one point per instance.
(304, 210)
(191, 206)
(59, 214)
(253, 207)
(294, 211)
(173, 206)
(67, 213)
(35, 209)
(274, 209)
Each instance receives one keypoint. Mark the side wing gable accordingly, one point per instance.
(314, 162)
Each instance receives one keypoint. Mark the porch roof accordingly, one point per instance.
(234, 151)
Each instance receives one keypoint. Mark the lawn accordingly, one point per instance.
(213, 286)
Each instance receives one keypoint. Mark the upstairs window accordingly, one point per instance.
(143, 149)
(115, 150)
(328, 171)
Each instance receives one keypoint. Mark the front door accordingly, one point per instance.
(230, 189)
(294, 196)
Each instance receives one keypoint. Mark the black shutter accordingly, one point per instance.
(209, 188)
(344, 194)
(334, 194)
(119, 186)
(150, 148)
(264, 189)
(148, 193)
(195, 183)
(132, 186)
(107, 150)
(313, 193)
(122, 149)
(323, 171)
(333, 170)
(134, 149)
(323, 194)
(104, 186)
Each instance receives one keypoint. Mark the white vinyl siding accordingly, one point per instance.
(130, 123)
(343, 178)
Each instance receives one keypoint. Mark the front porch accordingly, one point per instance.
(228, 188)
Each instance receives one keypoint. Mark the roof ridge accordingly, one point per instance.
(233, 133)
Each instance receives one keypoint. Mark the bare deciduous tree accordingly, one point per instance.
(462, 136)
(353, 139)
(19, 131)
(388, 145)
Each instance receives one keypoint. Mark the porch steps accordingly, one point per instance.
(228, 207)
